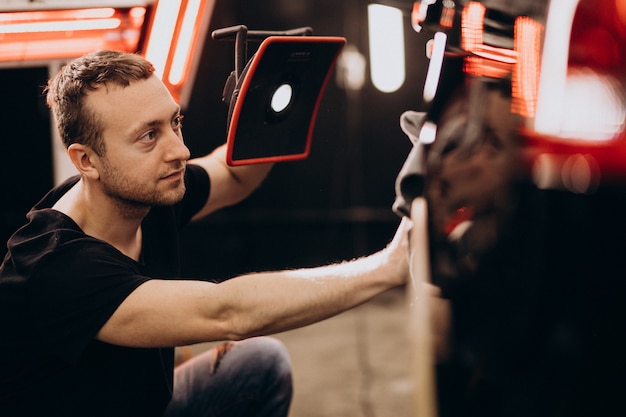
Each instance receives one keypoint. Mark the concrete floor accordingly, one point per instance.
(355, 364)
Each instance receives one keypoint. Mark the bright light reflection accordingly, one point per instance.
(138, 12)
(184, 43)
(351, 68)
(57, 15)
(386, 40)
(161, 34)
(554, 65)
(434, 67)
(428, 133)
(593, 107)
(63, 26)
(281, 98)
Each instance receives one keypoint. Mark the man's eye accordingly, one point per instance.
(149, 136)
(178, 121)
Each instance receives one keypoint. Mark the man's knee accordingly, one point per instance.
(270, 372)
(271, 356)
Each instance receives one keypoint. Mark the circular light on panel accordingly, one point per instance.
(281, 98)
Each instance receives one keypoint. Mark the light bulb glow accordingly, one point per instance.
(281, 98)
(386, 40)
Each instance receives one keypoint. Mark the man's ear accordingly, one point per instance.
(84, 159)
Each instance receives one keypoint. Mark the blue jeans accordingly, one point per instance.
(247, 378)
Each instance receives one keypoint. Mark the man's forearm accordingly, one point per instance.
(270, 302)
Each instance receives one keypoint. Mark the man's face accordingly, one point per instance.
(145, 158)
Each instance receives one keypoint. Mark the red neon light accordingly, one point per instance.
(472, 34)
(176, 67)
(597, 44)
(420, 11)
(447, 16)
(525, 77)
(64, 34)
(43, 17)
(485, 61)
(522, 63)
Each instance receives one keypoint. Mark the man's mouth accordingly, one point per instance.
(176, 175)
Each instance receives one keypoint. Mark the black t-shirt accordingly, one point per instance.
(58, 286)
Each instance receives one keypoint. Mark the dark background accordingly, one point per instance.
(334, 205)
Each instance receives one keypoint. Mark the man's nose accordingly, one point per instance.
(176, 148)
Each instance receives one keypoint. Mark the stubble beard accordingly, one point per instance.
(134, 199)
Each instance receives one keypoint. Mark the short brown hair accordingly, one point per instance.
(67, 90)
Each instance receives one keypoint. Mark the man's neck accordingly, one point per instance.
(112, 221)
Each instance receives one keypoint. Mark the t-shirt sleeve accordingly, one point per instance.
(74, 292)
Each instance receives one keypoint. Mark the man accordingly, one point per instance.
(89, 305)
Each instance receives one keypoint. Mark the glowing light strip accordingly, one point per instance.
(184, 43)
(53, 15)
(58, 21)
(138, 12)
(386, 40)
(486, 60)
(472, 31)
(447, 15)
(62, 34)
(54, 48)
(162, 33)
(434, 67)
(60, 26)
(419, 13)
(551, 94)
(522, 62)
(506, 56)
(525, 77)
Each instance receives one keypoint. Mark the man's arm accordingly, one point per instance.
(229, 185)
(174, 313)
